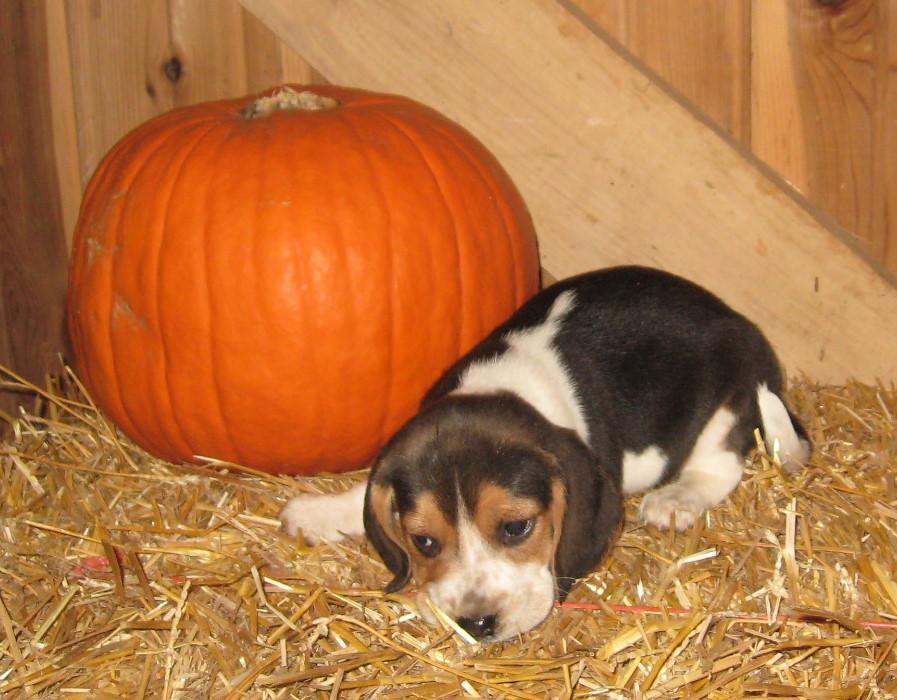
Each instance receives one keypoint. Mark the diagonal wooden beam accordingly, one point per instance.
(614, 169)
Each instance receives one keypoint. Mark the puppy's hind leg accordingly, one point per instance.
(330, 517)
(711, 472)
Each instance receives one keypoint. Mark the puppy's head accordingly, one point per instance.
(493, 511)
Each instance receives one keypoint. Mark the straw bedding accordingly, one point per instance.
(121, 575)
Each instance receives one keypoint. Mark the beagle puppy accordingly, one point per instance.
(508, 484)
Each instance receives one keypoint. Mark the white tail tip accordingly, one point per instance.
(778, 430)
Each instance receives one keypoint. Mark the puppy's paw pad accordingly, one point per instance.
(312, 514)
(658, 507)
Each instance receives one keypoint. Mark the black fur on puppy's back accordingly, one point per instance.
(653, 356)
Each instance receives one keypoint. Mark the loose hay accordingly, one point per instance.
(124, 575)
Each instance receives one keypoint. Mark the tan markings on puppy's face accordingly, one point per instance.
(497, 508)
(508, 579)
(425, 520)
(428, 520)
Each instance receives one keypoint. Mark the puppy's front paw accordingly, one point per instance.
(658, 507)
(309, 514)
(325, 517)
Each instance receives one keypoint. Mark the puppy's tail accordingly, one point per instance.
(782, 430)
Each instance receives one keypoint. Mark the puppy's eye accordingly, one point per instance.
(515, 531)
(427, 545)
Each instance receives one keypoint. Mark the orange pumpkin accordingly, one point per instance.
(277, 281)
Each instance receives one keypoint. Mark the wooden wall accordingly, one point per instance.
(806, 86)
(117, 63)
(809, 86)
(32, 246)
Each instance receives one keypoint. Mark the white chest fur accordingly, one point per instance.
(532, 369)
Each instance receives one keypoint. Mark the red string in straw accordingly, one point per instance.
(97, 567)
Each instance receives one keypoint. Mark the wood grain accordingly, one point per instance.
(64, 117)
(32, 246)
(133, 60)
(822, 113)
(118, 50)
(296, 69)
(700, 48)
(270, 61)
(207, 40)
(777, 133)
(610, 15)
(614, 170)
(807, 85)
(883, 234)
(264, 62)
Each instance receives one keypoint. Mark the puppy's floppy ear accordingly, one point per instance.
(593, 513)
(380, 524)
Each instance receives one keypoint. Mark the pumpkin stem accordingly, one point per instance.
(287, 98)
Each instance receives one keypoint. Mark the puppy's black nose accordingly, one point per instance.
(479, 627)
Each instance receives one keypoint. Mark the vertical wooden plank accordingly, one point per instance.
(264, 67)
(296, 69)
(834, 71)
(883, 237)
(118, 52)
(207, 39)
(837, 60)
(32, 246)
(700, 48)
(269, 61)
(134, 59)
(777, 124)
(62, 108)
